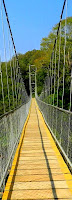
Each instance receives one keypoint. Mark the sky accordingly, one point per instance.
(31, 20)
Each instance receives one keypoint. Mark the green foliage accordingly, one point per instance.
(24, 61)
(41, 59)
(47, 46)
(5, 86)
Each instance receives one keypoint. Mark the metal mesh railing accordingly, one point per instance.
(60, 123)
(11, 126)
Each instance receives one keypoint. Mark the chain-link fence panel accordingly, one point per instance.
(60, 123)
(11, 126)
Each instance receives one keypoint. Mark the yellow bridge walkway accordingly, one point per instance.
(38, 170)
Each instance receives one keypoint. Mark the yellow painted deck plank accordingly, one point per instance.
(39, 177)
(39, 174)
(40, 194)
(36, 171)
(39, 185)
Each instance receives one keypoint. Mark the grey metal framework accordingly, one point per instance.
(32, 80)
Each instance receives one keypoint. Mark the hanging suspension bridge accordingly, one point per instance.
(35, 136)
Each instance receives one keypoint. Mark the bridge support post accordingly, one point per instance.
(30, 81)
(35, 83)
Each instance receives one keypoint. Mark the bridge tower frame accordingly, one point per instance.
(32, 80)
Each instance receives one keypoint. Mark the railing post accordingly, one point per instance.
(30, 81)
(35, 83)
(71, 90)
(68, 138)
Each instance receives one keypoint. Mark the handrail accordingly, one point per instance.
(59, 123)
(11, 126)
(11, 111)
(63, 110)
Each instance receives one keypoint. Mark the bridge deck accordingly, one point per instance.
(40, 172)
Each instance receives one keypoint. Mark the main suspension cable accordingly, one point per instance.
(10, 30)
(58, 27)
